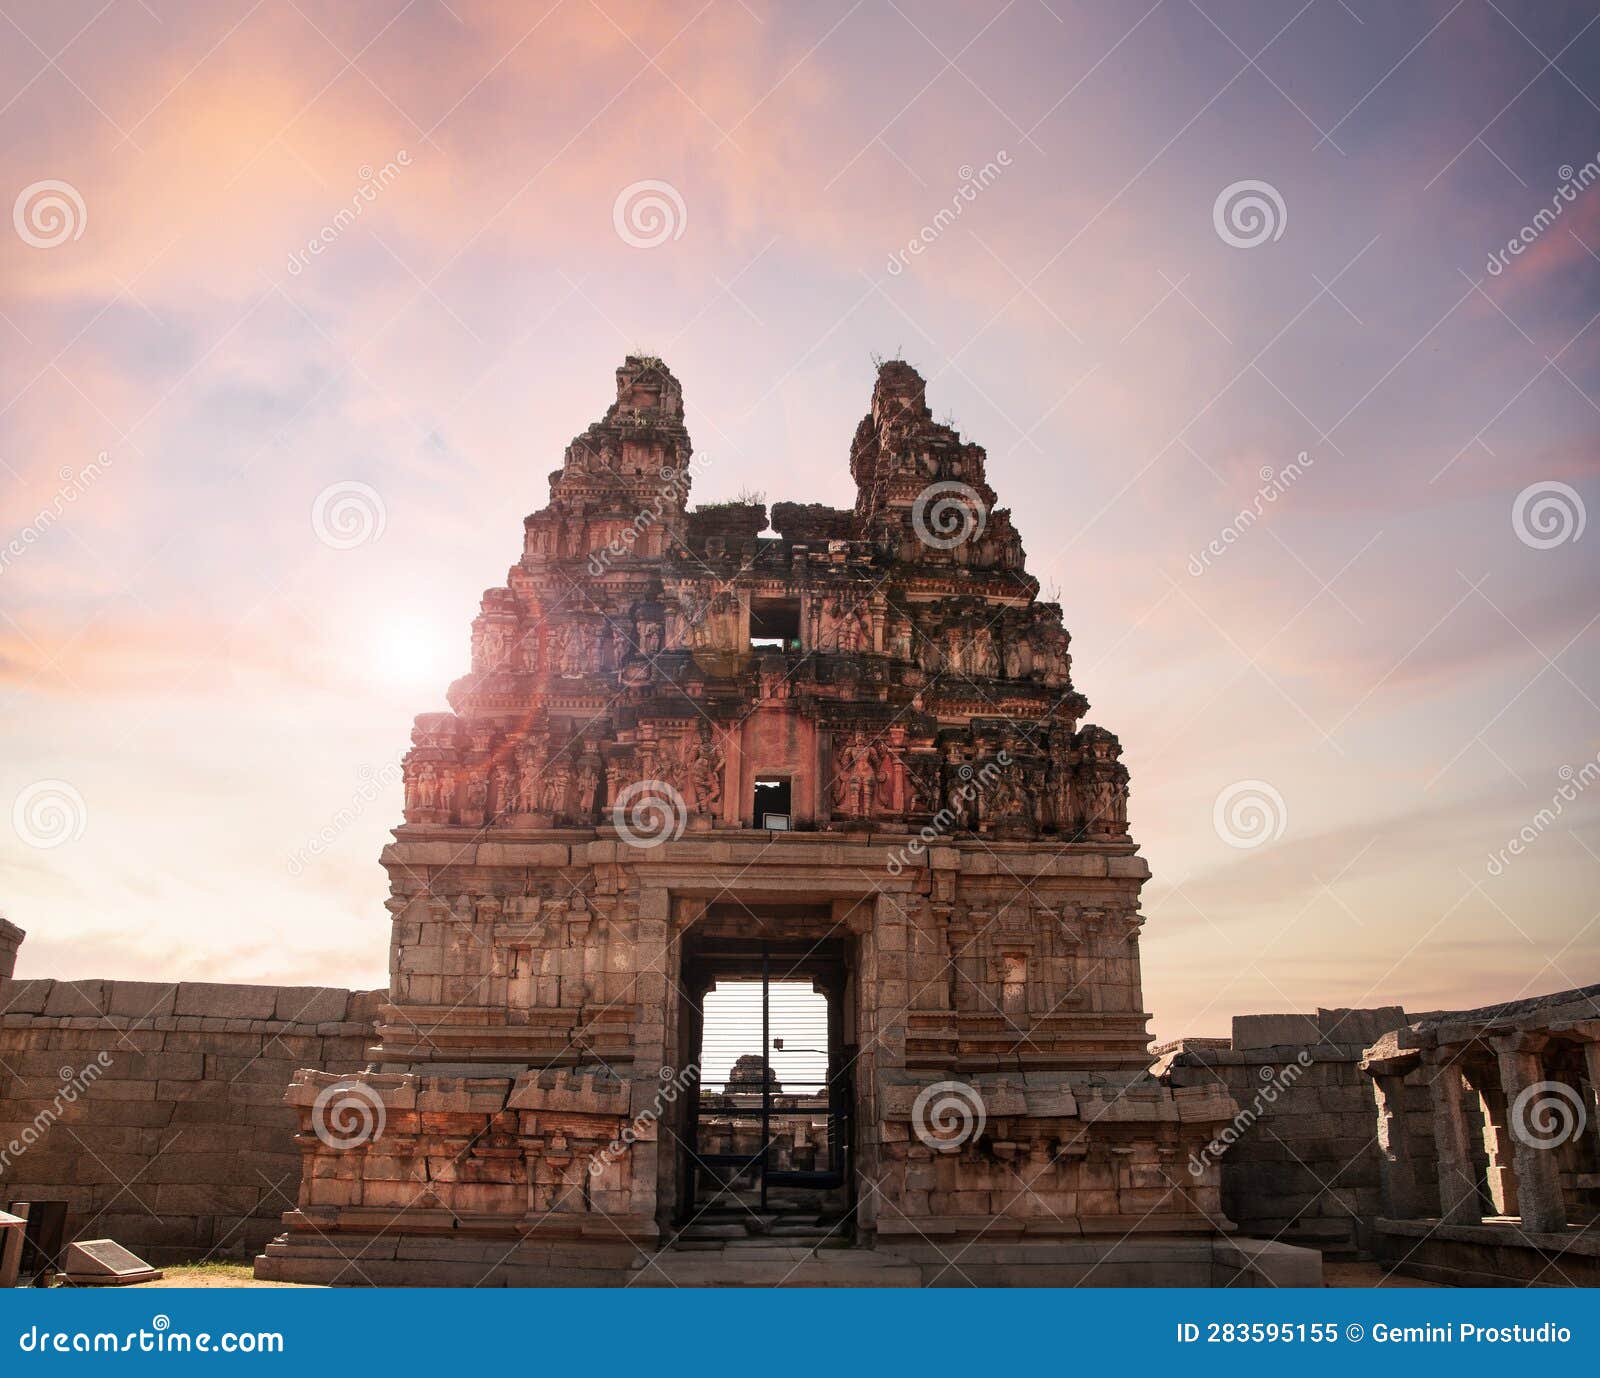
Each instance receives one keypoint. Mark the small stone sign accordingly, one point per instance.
(105, 1263)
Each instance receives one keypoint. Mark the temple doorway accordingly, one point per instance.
(767, 1150)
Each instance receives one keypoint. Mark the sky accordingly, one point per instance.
(797, 1014)
(300, 303)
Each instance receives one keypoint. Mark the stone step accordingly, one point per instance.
(761, 1264)
(702, 1230)
(763, 1241)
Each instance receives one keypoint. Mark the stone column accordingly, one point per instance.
(653, 951)
(1499, 1144)
(1538, 1185)
(1591, 1059)
(1397, 1173)
(880, 1047)
(1458, 1188)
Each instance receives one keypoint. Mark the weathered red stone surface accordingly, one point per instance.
(586, 813)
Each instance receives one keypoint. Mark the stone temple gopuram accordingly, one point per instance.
(692, 752)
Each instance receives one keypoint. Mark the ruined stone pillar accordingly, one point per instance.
(1397, 1172)
(10, 940)
(1458, 1188)
(1538, 1184)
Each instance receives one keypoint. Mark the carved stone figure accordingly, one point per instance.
(850, 630)
(687, 618)
(573, 656)
(649, 636)
(491, 647)
(955, 651)
(1058, 788)
(553, 790)
(982, 660)
(704, 775)
(1111, 802)
(900, 638)
(1005, 798)
(530, 772)
(1016, 657)
(922, 776)
(585, 783)
(854, 779)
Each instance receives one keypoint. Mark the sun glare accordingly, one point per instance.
(414, 653)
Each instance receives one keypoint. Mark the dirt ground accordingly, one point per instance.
(210, 1275)
(1366, 1275)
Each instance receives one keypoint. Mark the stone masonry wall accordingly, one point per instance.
(157, 1111)
(1303, 1168)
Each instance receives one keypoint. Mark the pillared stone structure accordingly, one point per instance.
(853, 748)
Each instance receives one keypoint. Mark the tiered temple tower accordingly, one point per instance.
(853, 746)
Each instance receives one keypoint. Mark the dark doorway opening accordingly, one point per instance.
(767, 1151)
(775, 624)
(772, 803)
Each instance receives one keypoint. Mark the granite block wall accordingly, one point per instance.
(1302, 1166)
(157, 1111)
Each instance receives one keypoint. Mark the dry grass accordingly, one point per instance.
(211, 1275)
